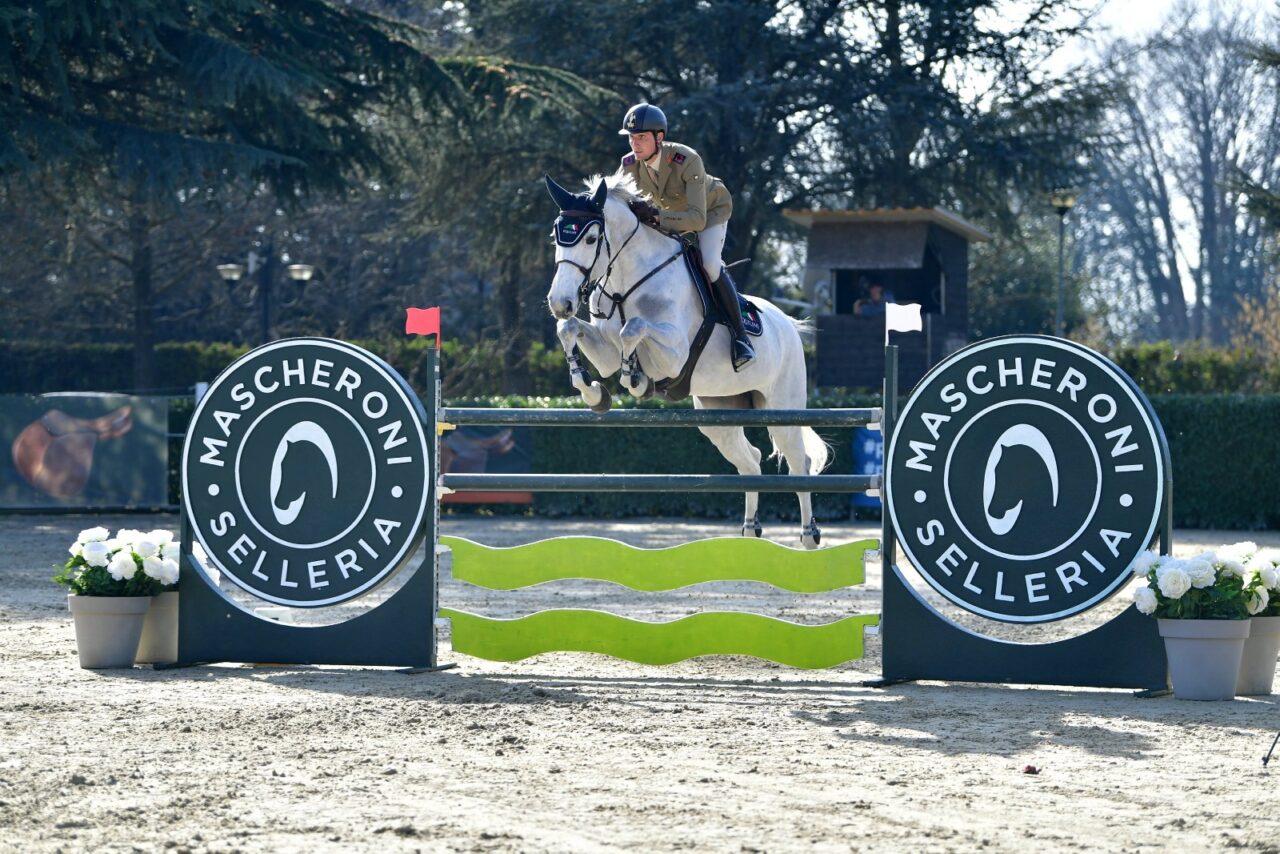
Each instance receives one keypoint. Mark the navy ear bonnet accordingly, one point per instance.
(572, 226)
(577, 212)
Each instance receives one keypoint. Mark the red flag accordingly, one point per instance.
(423, 321)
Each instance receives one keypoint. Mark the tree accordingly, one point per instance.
(1167, 208)
(1013, 285)
(139, 109)
(861, 102)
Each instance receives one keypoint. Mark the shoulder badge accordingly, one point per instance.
(629, 160)
(677, 158)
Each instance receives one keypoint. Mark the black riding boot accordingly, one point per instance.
(727, 295)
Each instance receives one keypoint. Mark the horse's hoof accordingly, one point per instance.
(604, 403)
(752, 527)
(648, 389)
(811, 535)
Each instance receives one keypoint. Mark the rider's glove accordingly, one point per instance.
(646, 212)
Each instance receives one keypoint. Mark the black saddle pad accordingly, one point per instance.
(751, 320)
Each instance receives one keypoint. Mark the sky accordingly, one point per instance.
(1133, 19)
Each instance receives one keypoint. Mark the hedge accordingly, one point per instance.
(30, 367)
(1225, 453)
(1226, 459)
(470, 369)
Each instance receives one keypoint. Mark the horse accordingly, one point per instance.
(644, 313)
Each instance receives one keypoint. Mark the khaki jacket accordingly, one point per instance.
(689, 198)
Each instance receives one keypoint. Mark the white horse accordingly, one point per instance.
(644, 314)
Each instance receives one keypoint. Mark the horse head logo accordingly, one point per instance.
(1019, 435)
(303, 431)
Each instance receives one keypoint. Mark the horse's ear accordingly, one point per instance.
(562, 197)
(598, 197)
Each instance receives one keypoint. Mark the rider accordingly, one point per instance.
(688, 199)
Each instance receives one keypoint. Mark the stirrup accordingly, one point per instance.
(743, 354)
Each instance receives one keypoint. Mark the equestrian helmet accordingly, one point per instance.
(643, 117)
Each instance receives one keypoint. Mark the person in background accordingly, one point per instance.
(872, 305)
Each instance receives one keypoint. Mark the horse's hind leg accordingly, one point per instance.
(732, 444)
(790, 441)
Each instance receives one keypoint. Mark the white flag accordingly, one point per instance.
(902, 318)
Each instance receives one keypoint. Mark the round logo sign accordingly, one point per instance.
(305, 472)
(1024, 476)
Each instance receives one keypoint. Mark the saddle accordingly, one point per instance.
(677, 388)
(54, 454)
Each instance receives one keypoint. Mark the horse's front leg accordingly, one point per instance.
(666, 348)
(598, 350)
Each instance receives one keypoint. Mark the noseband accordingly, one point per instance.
(570, 228)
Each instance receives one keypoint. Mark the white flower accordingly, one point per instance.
(1257, 601)
(115, 544)
(145, 548)
(1145, 562)
(153, 567)
(1270, 555)
(122, 566)
(171, 550)
(200, 553)
(1200, 572)
(96, 554)
(1231, 566)
(76, 549)
(93, 535)
(129, 535)
(1144, 598)
(1238, 552)
(169, 572)
(1270, 577)
(1173, 581)
(160, 537)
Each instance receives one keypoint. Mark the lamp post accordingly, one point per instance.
(1062, 200)
(263, 266)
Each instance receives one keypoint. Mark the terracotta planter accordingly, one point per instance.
(108, 629)
(159, 644)
(1258, 665)
(1204, 656)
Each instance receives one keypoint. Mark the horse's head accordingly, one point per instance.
(579, 233)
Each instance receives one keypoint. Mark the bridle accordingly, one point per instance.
(588, 286)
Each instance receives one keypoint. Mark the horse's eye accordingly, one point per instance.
(591, 240)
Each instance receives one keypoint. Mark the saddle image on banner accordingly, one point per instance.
(84, 450)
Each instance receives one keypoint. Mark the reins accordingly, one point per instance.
(618, 300)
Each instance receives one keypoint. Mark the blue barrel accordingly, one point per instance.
(868, 458)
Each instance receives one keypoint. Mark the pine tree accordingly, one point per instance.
(139, 105)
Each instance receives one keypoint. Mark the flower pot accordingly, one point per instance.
(108, 629)
(159, 644)
(1204, 656)
(1258, 665)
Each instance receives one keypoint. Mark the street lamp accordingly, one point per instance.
(1062, 200)
(263, 266)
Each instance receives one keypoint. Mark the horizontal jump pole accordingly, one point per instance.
(659, 482)
(481, 417)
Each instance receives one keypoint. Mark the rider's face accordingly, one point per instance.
(644, 145)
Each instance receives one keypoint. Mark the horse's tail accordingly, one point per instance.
(816, 449)
(805, 327)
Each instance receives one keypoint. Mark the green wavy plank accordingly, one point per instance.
(708, 633)
(720, 559)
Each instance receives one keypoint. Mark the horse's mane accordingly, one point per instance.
(622, 187)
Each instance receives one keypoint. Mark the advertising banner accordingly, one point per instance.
(83, 451)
